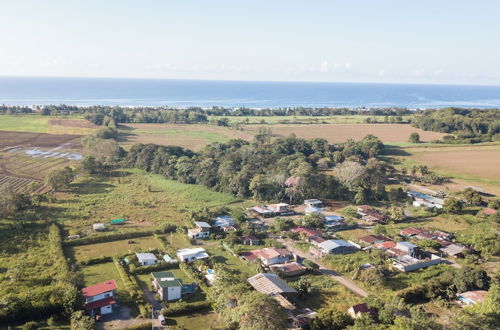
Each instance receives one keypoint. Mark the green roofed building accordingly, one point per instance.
(169, 288)
(118, 221)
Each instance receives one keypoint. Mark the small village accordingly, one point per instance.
(275, 257)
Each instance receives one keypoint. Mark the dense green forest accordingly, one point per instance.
(282, 169)
(468, 125)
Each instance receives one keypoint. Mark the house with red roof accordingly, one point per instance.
(410, 231)
(100, 298)
(489, 211)
(268, 256)
(307, 231)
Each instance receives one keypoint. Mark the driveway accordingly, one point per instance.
(325, 270)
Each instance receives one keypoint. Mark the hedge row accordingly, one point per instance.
(94, 261)
(153, 268)
(180, 308)
(142, 326)
(133, 288)
(108, 238)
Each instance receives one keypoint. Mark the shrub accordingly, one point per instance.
(107, 238)
(142, 326)
(180, 308)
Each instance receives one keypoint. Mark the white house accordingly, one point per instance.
(407, 247)
(313, 210)
(146, 259)
(168, 287)
(202, 230)
(224, 221)
(99, 226)
(99, 298)
(333, 246)
(313, 202)
(189, 255)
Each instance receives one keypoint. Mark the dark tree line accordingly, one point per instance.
(469, 125)
(283, 169)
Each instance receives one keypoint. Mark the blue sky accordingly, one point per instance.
(405, 41)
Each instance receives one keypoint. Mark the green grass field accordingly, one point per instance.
(84, 252)
(28, 123)
(40, 124)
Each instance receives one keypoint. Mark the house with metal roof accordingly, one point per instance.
(270, 284)
(202, 230)
(189, 255)
(100, 298)
(333, 246)
(168, 287)
(146, 259)
(472, 297)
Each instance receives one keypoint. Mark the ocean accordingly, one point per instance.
(205, 93)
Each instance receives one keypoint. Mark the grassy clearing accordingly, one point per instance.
(144, 200)
(230, 261)
(41, 124)
(330, 294)
(32, 124)
(84, 252)
(200, 320)
(187, 136)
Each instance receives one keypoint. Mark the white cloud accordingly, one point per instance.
(324, 66)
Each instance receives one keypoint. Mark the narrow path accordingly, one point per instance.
(325, 270)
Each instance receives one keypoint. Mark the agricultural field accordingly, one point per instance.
(187, 136)
(21, 185)
(465, 165)
(337, 133)
(45, 124)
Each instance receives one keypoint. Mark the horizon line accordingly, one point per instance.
(253, 80)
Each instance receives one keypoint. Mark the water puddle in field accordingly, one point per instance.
(57, 152)
(52, 153)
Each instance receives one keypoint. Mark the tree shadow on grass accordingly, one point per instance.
(87, 188)
(392, 150)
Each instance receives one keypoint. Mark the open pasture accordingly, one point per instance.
(45, 124)
(109, 249)
(187, 136)
(143, 200)
(337, 133)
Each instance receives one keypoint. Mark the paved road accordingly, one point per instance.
(325, 270)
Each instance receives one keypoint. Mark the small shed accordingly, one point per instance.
(120, 221)
(146, 259)
(99, 226)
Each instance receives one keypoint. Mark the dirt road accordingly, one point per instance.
(325, 270)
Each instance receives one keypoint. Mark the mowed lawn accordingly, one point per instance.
(109, 249)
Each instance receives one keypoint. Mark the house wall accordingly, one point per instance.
(147, 262)
(409, 268)
(99, 297)
(173, 293)
(275, 260)
(106, 309)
